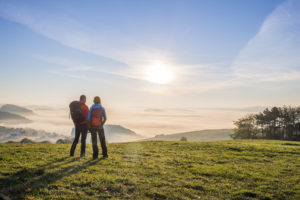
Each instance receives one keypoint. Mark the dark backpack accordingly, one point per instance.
(75, 112)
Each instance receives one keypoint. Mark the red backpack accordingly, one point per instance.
(96, 117)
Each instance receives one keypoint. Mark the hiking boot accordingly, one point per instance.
(106, 156)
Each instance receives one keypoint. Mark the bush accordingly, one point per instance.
(26, 141)
(64, 141)
(183, 139)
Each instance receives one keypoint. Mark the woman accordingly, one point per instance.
(97, 118)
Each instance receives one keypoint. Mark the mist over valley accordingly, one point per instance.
(123, 125)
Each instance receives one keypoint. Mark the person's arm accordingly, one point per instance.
(104, 116)
(89, 115)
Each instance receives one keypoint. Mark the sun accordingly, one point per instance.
(159, 73)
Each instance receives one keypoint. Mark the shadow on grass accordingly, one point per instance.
(17, 185)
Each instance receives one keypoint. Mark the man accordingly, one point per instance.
(81, 128)
(97, 118)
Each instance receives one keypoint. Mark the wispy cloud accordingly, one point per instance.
(273, 53)
(74, 34)
(63, 73)
(62, 29)
(132, 59)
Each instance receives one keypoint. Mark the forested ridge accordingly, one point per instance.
(281, 123)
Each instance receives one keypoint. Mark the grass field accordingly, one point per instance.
(242, 169)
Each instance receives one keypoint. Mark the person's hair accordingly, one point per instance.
(82, 97)
(97, 100)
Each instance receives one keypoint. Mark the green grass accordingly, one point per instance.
(242, 169)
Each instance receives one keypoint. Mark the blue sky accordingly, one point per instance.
(220, 53)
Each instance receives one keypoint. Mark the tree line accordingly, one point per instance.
(279, 123)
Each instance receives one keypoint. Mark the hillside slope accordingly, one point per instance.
(202, 135)
(13, 118)
(153, 170)
(15, 109)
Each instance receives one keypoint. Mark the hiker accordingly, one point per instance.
(97, 118)
(79, 112)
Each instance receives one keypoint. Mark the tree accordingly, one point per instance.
(246, 128)
(278, 123)
(261, 122)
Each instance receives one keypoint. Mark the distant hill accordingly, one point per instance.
(202, 135)
(13, 118)
(15, 109)
(115, 129)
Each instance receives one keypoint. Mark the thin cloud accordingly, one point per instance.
(132, 59)
(273, 53)
(254, 62)
(61, 73)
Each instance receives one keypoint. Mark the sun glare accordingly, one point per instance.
(159, 73)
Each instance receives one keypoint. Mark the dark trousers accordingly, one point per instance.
(101, 135)
(79, 130)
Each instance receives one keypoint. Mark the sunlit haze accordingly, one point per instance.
(159, 73)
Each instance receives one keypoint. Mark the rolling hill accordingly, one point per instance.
(202, 135)
(236, 169)
(15, 109)
(13, 118)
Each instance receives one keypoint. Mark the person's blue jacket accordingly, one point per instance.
(97, 106)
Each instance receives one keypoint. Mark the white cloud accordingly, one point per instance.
(273, 53)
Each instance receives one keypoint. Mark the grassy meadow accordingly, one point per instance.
(241, 169)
